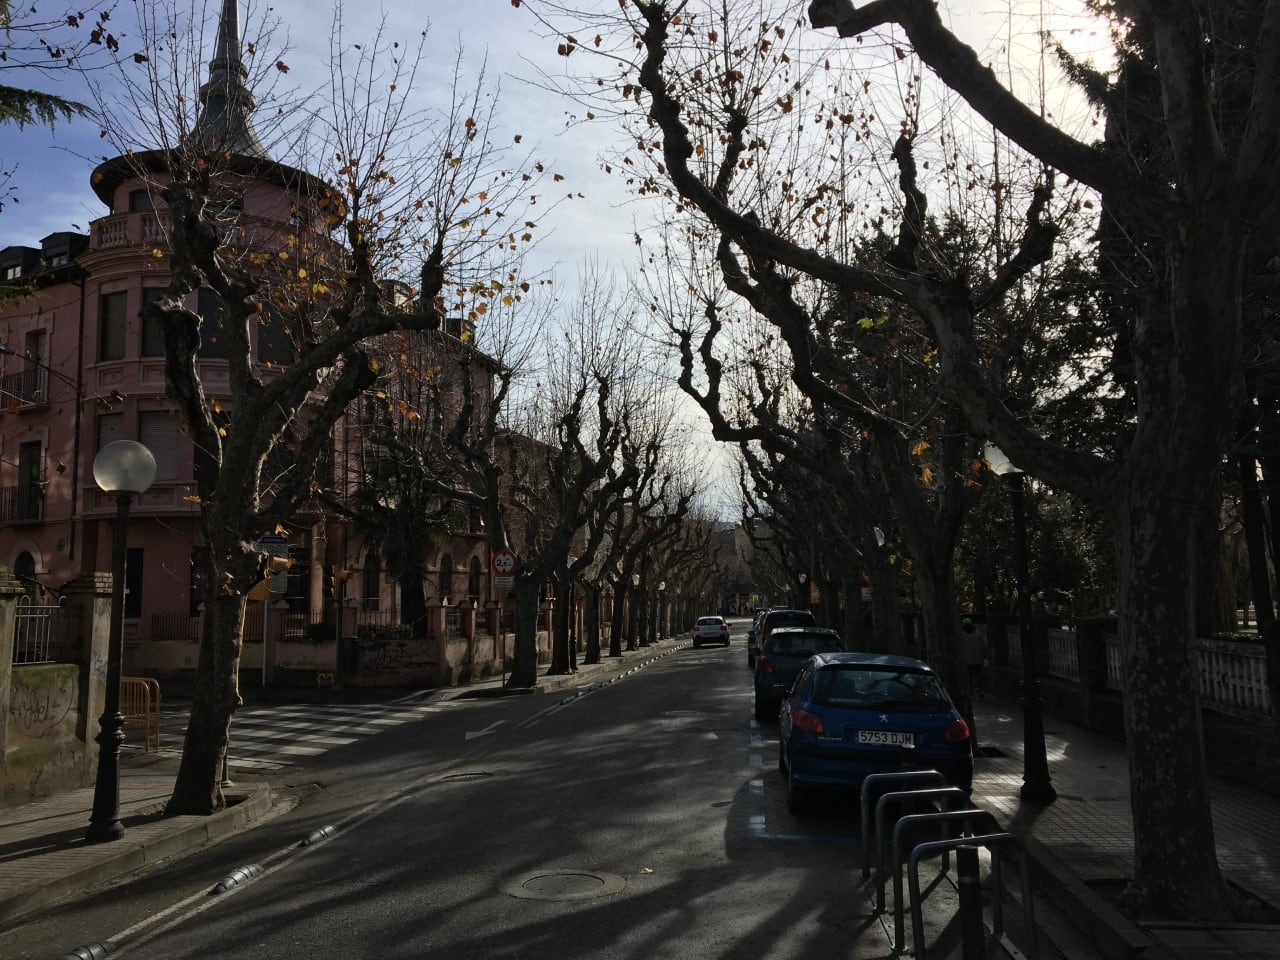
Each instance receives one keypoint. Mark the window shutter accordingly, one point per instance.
(109, 428)
(158, 432)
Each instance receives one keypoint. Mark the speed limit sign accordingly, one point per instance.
(504, 563)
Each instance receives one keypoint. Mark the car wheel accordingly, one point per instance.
(726, 641)
(763, 714)
(799, 797)
(696, 644)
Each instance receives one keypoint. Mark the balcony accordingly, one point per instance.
(21, 504)
(25, 389)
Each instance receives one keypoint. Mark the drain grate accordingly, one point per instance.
(565, 885)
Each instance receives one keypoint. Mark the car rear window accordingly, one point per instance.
(802, 644)
(709, 621)
(878, 688)
(790, 618)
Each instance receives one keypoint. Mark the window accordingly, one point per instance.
(473, 579)
(152, 331)
(446, 575)
(133, 582)
(13, 272)
(57, 260)
(158, 432)
(371, 584)
(213, 345)
(29, 492)
(140, 201)
(110, 429)
(111, 326)
(297, 592)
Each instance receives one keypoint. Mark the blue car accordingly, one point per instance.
(853, 714)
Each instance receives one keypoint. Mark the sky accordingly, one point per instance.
(53, 166)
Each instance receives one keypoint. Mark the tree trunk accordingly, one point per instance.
(1175, 863)
(198, 787)
(940, 617)
(616, 622)
(886, 623)
(592, 624)
(633, 616)
(560, 629)
(524, 669)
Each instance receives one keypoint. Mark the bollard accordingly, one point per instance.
(969, 882)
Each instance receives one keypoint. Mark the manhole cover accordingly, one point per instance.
(559, 885)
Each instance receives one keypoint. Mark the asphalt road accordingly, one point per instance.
(638, 819)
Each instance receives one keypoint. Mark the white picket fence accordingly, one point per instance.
(1233, 675)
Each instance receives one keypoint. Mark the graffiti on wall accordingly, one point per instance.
(44, 711)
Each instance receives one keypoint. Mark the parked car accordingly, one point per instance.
(710, 630)
(849, 715)
(786, 651)
(776, 617)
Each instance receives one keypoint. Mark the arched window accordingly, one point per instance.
(446, 575)
(473, 579)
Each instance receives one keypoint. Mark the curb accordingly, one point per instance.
(1115, 936)
(186, 836)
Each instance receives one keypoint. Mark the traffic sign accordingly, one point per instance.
(504, 563)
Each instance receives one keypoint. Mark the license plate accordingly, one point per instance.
(887, 738)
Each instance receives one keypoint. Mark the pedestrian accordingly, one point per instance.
(973, 656)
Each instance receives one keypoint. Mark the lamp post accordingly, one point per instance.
(1036, 785)
(662, 611)
(634, 612)
(804, 594)
(124, 468)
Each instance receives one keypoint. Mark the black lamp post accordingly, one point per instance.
(803, 593)
(662, 611)
(124, 468)
(1036, 785)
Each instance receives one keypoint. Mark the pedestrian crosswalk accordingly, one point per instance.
(276, 736)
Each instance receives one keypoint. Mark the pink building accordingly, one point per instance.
(79, 369)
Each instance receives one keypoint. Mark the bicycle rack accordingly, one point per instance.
(930, 777)
(932, 793)
(911, 821)
(991, 842)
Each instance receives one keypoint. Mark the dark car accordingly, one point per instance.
(849, 715)
(780, 660)
(776, 617)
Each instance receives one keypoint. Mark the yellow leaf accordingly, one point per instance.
(222, 431)
(926, 475)
(380, 395)
(283, 255)
(158, 253)
(919, 448)
(302, 274)
(508, 300)
(192, 499)
(375, 365)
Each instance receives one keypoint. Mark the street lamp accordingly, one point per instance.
(804, 595)
(662, 611)
(124, 468)
(1036, 785)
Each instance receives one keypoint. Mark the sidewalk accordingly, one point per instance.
(1082, 844)
(43, 853)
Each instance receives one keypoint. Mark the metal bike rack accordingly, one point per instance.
(907, 823)
(942, 794)
(922, 777)
(991, 842)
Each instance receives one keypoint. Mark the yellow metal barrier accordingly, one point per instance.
(140, 707)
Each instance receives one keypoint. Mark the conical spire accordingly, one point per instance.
(226, 105)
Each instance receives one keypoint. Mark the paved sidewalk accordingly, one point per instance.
(1082, 844)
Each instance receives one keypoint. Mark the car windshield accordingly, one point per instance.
(802, 644)
(863, 687)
